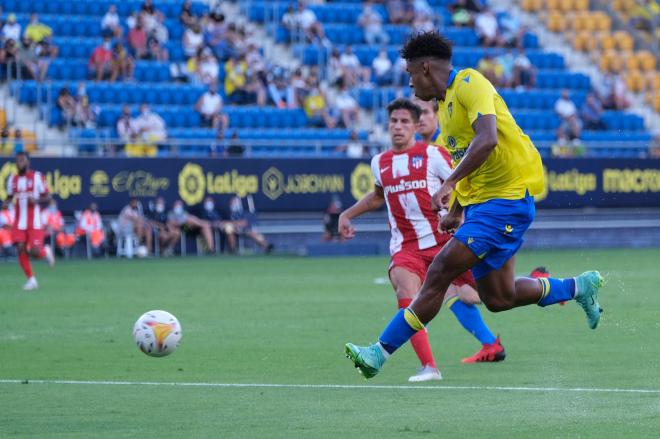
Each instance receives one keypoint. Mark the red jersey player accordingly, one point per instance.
(28, 190)
(406, 177)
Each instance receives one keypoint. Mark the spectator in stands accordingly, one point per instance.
(148, 14)
(110, 24)
(168, 232)
(86, 115)
(137, 39)
(353, 69)
(131, 221)
(54, 226)
(524, 73)
(156, 52)
(37, 31)
(90, 225)
(491, 69)
(347, 106)
(180, 218)
(187, 17)
(643, 15)
(315, 105)
(100, 62)
(210, 107)
(28, 59)
(216, 37)
(11, 30)
(45, 52)
(208, 68)
(234, 147)
(423, 22)
(217, 222)
(463, 12)
(335, 71)
(306, 20)
(371, 23)
(382, 68)
(506, 60)
(159, 31)
(66, 103)
(400, 11)
(331, 219)
(487, 28)
(512, 30)
(244, 223)
(6, 143)
(399, 74)
(122, 63)
(150, 126)
(565, 149)
(193, 40)
(571, 125)
(613, 92)
(9, 58)
(280, 91)
(592, 113)
(300, 86)
(126, 129)
(236, 81)
(353, 148)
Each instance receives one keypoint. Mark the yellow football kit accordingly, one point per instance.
(513, 169)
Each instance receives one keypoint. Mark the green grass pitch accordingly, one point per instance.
(283, 320)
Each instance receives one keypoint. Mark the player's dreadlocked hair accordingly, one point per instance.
(405, 104)
(427, 44)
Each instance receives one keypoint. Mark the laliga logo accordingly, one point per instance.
(9, 168)
(272, 183)
(99, 184)
(192, 184)
(361, 181)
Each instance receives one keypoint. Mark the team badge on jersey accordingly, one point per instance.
(417, 161)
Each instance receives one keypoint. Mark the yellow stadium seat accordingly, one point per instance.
(581, 5)
(584, 42)
(656, 82)
(603, 22)
(623, 40)
(656, 102)
(556, 22)
(646, 60)
(635, 81)
(3, 118)
(607, 42)
(29, 140)
(552, 5)
(631, 62)
(566, 5)
(531, 5)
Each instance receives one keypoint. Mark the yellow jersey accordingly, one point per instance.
(513, 167)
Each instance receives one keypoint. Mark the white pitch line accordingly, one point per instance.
(334, 386)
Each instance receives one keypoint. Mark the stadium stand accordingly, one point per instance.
(273, 131)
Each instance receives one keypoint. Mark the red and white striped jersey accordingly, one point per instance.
(409, 179)
(33, 183)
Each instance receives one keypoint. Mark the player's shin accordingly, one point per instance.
(420, 341)
(401, 328)
(469, 317)
(24, 262)
(556, 290)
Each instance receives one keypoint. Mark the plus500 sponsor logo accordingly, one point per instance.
(405, 186)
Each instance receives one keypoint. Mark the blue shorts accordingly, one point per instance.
(494, 230)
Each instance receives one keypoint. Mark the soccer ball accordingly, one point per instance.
(142, 252)
(157, 333)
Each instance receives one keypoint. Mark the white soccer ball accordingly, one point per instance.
(157, 333)
(142, 252)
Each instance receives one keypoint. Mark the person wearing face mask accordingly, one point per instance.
(100, 62)
(150, 126)
(215, 218)
(90, 224)
(168, 232)
(179, 217)
(52, 218)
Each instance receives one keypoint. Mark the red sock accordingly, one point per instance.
(24, 262)
(420, 341)
(42, 252)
